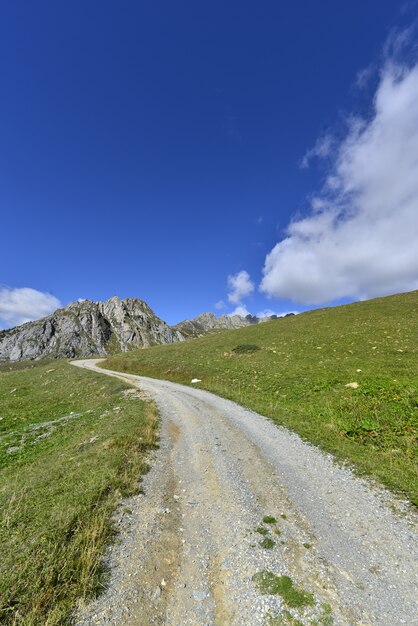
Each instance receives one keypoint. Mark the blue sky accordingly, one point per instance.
(153, 149)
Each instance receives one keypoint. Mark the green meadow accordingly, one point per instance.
(295, 370)
(72, 444)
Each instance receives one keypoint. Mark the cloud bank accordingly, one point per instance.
(21, 305)
(240, 310)
(360, 238)
(240, 286)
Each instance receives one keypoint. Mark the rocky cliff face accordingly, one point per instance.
(87, 328)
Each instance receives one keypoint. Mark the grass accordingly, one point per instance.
(72, 444)
(246, 348)
(298, 377)
(267, 543)
(269, 583)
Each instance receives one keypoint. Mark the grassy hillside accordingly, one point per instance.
(296, 371)
(72, 443)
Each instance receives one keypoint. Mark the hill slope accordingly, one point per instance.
(87, 329)
(296, 370)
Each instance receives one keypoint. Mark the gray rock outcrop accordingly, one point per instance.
(86, 328)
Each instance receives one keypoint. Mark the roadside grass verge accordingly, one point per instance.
(298, 377)
(72, 444)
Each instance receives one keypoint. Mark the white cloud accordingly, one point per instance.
(266, 313)
(220, 304)
(21, 305)
(270, 312)
(321, 150)
(364, 76)
(360, 238)
(240, 286)
(240, 310)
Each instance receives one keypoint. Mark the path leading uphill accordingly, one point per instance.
(189, 550)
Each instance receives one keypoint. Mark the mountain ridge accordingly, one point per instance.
(208, 322)
(87, 328)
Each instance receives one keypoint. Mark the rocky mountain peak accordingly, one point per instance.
(87, 328)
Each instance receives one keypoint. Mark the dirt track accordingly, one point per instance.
(189, 546)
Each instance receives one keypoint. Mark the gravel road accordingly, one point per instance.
(189, 545)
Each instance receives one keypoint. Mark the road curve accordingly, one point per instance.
(189, 545)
